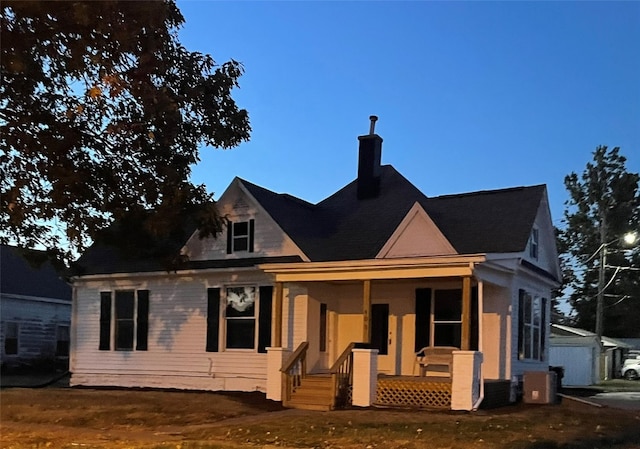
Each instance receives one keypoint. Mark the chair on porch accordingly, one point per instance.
(435, 355)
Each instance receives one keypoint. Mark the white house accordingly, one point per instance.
(334, 298)
(35, 310)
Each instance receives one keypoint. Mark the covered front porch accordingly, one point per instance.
(359, 325)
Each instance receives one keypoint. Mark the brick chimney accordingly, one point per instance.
(369, 155)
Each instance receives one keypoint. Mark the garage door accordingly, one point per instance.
(577, 362)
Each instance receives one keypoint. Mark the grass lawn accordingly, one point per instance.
(100, 418)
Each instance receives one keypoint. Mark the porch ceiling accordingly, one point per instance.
(372, 269)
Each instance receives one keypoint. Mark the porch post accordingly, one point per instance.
(277, 316)
(365, 377)
(466, 378)
(275, 359)
(466, 313)
(366, 312)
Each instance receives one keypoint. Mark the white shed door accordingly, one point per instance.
(577, 362)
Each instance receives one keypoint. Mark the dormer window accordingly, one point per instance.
(533, 244)
(240, 236)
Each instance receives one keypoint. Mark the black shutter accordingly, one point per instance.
(229, 236)
(475, 329)
(142, 324)
(521, 294)
(543, 327)
(251, 229)
(105, 321)
(423, 313)
(264, 320)
(213, 318)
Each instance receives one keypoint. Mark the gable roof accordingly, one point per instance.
(29, 272)
(560, 330)
(343, 227)
(488, 221)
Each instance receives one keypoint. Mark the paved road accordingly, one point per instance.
(628, 400)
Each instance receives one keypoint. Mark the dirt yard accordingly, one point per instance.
(95, 418)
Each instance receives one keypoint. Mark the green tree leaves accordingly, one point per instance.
(102, 114)
(603, 205)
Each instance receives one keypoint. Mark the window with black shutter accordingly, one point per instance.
(531, 326)
(129, 312)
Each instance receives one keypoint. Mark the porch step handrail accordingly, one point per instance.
(342, 377)
(293, 371)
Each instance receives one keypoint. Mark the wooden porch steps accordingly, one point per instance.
(314, 393)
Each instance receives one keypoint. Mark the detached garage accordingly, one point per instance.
(579, 356)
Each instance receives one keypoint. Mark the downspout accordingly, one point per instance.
(480, 340)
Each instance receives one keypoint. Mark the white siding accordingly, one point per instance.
(547, 252)
(496, 332)
(578, 363)
(237, 205)
(176, 355)
(416, 236)
(37, 320)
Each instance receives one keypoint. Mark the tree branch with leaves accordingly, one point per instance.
(603, 205)
(102, 115)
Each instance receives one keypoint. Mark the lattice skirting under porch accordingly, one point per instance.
(413, 392)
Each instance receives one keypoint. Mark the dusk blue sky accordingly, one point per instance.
(470, 95)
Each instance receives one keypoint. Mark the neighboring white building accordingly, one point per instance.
(377, 264)
(586, 361)
(35, 310)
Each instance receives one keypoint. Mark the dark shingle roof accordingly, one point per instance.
(342, 227)
(491, 221)
(30, 273)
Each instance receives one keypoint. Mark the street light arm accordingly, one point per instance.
(629, 238)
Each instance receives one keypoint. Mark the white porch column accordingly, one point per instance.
(275, 358)
(365, 376)
(465, 379)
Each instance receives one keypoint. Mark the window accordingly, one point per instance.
(532, 326)
(439, 318)
(246, 314)
(241, 317)
(533, 244)
(62, 341)
(11, 333)
(447, 318)
(240, 236)
(124, 320)
(130, 327)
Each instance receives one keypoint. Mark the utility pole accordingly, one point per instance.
(600, 297)
(601, 273)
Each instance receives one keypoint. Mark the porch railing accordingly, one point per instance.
(342, 378)
(293, 371)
